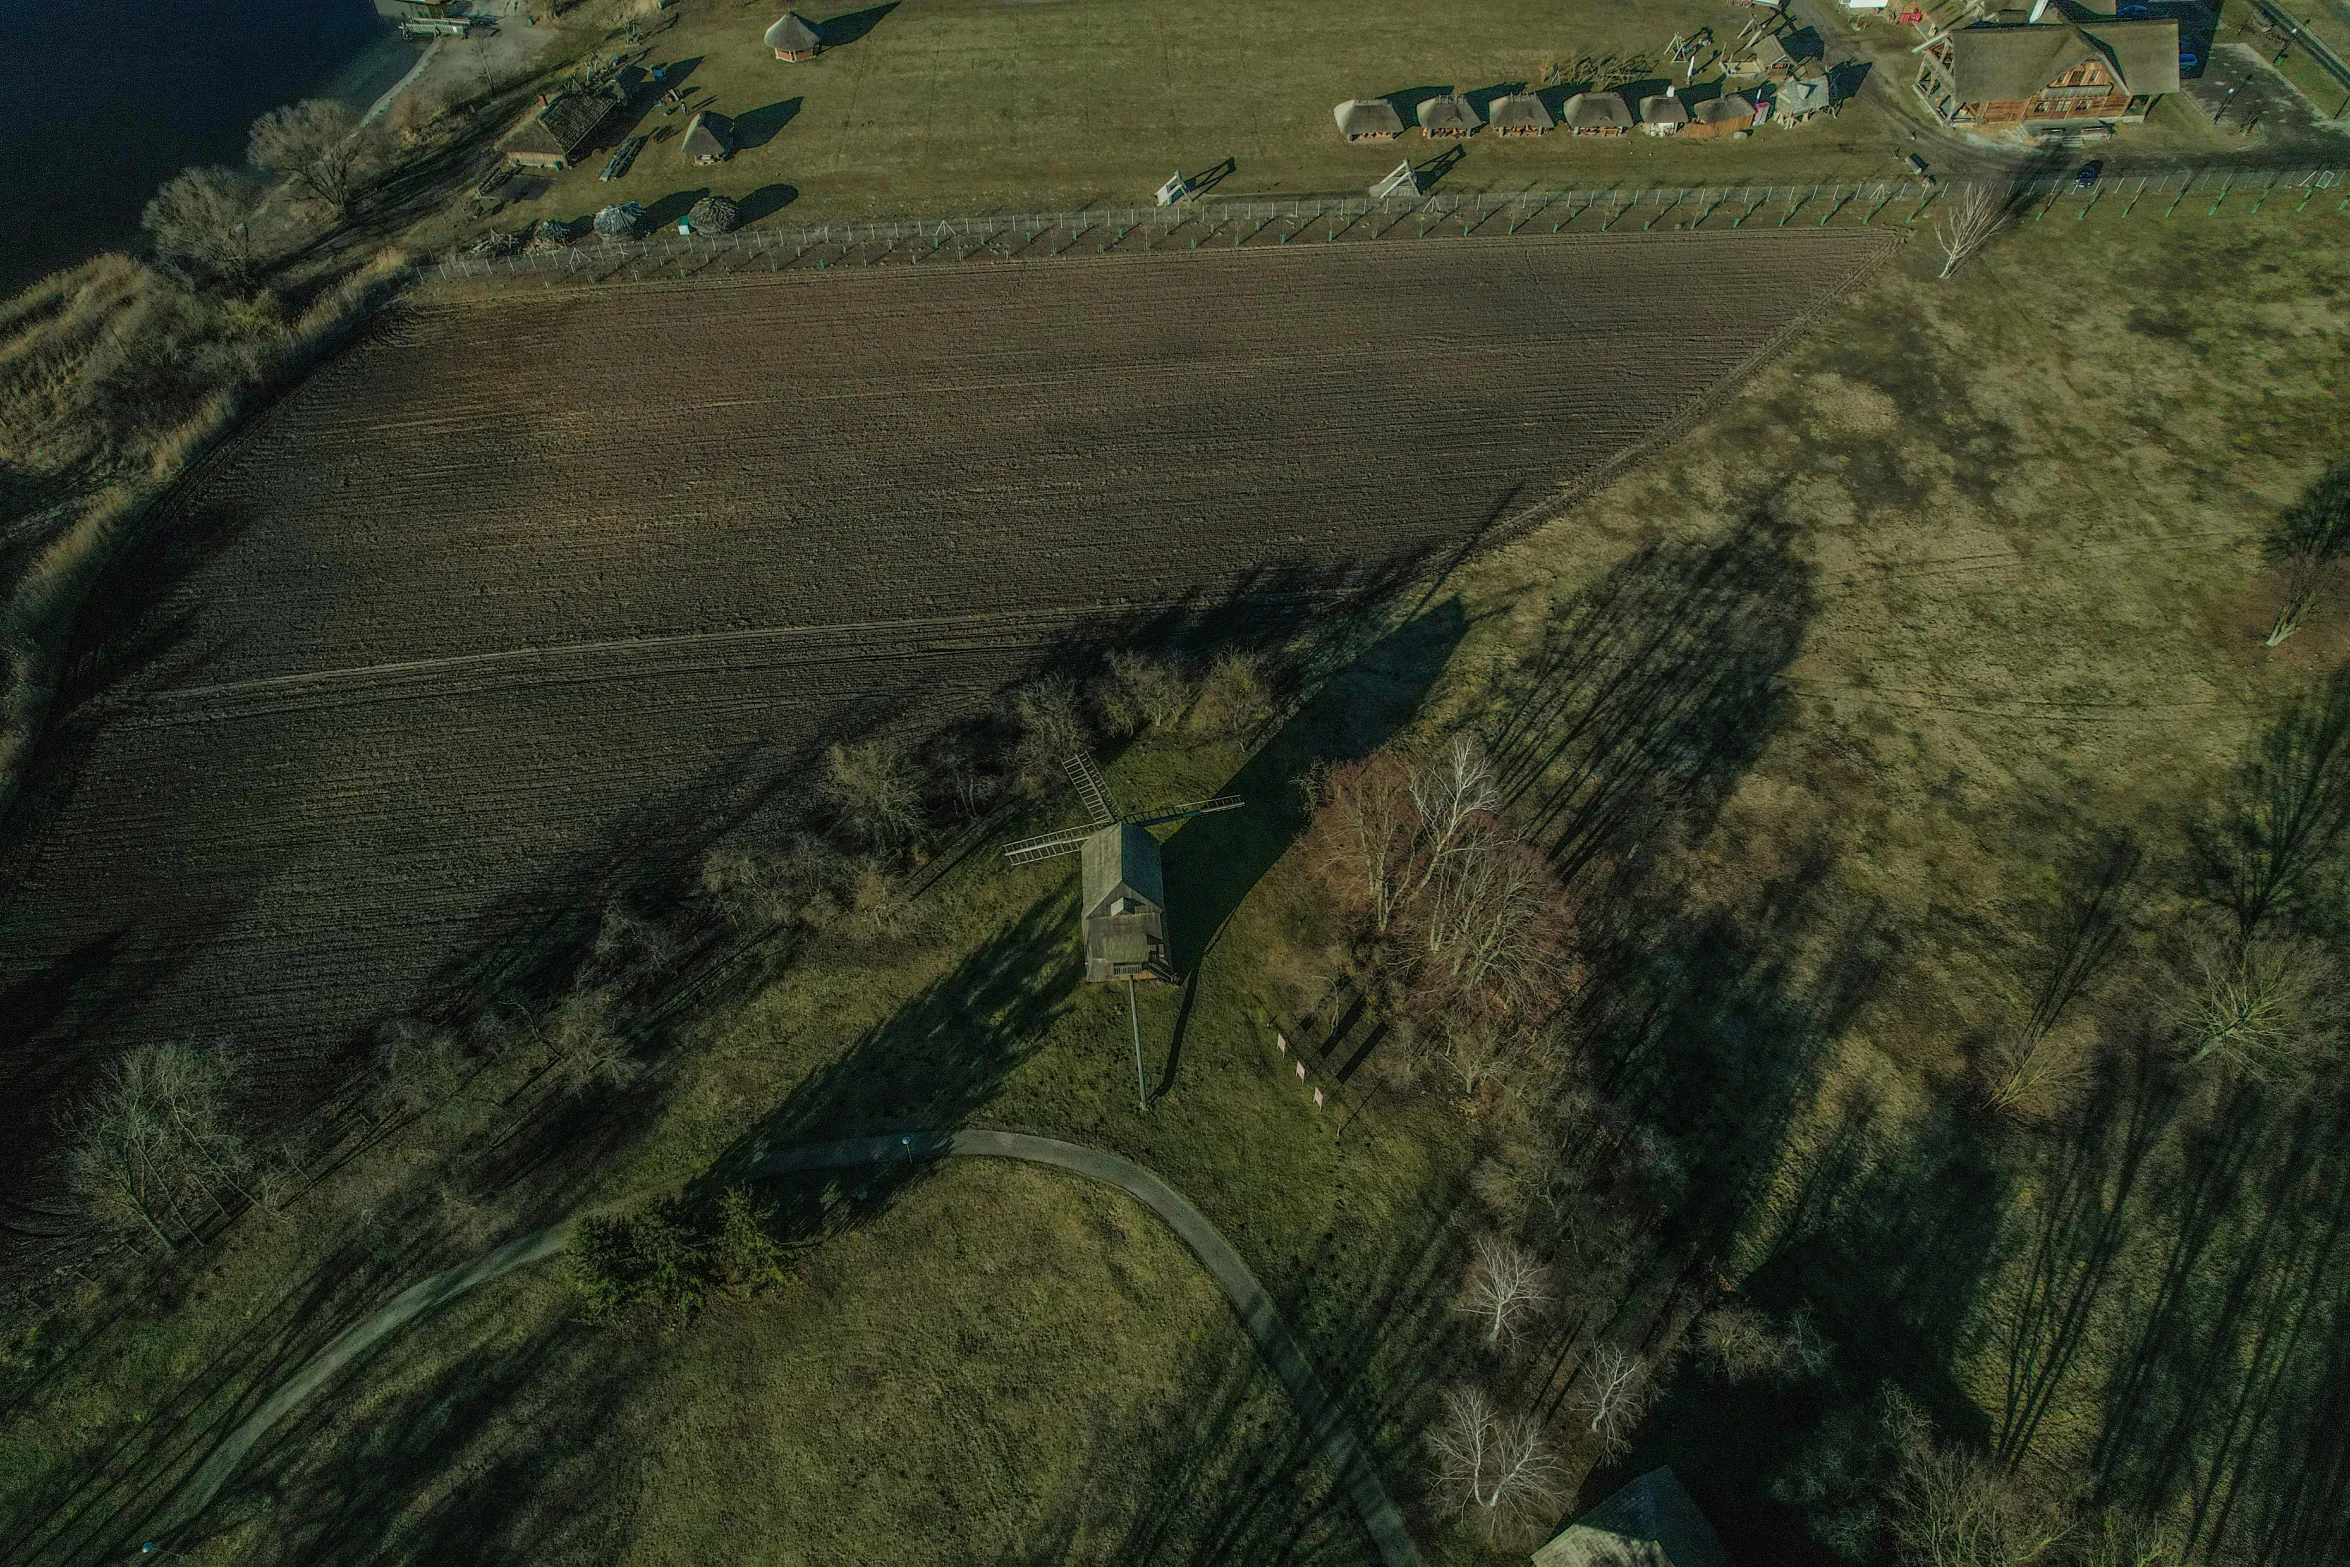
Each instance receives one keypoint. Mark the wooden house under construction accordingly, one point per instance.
(1596, 114)
(794, 37)
(1447, 117)
(2049, 74)
(1368, 119)
(1519, 114)
(562, 128)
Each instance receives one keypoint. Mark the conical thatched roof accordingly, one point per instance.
(1663, 109)
(1519, 112)
(1736, 109)
(794, 34)
(1367, 117)
(624, 221)
(1448, 115)
(1596, 111)
(712, 215)
(709, 137)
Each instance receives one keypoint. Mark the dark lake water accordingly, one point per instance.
(106, 99)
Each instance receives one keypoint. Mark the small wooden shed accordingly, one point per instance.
(794, 37)
(1763, 56)
(1663, 115)
(1125, 905)
(1519, 114)
(1730, 116)
(560, 129)
(1368, 119)
(1596, 114)
(1449, 117)
(709, 138)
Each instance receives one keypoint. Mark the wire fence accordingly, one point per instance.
(1357, 219)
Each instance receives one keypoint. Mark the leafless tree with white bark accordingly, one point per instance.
(1615, 1392)
(1507, 1285)
(1497, 1467)
(1968, 222)
(154, 1150)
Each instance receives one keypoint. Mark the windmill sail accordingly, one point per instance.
(1093, 789)
(1069, 840)
(1190, 808)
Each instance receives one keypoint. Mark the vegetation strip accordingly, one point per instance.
(1320, 1414)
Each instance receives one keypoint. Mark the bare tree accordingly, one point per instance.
(1616, 1390)
(1052, 728)
(153, 1148)
(204, 218)
(1741, 1343)
(2310, 539)
(2289, 806)
(1235, 697)
(1968, 223)
(584, 1047)
(1452, 792)
(1144, 691)
(876, 790)
(318, 144)
(2249, 1005)
(1497, 1466)
(1953, 1507)
(1507, 1284)
(1373, 830)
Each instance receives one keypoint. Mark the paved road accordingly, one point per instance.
(1324, 1419)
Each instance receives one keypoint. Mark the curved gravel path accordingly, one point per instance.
(1324, 1419)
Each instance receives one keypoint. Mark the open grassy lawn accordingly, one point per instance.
(988, 105)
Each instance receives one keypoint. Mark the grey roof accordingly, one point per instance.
(709, 136)
(1803, 95)
(1368, 117)
(1518, 111)
(1122, 861)
(1661, 110)
(1588, 111)
(1766, 51)
(2145, 53)
(1722, 111)
(2003, 64)
(1447, 112)
(794, 34)
(1649, 1523)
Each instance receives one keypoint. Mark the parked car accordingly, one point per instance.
(2086, 179)
(1917, 166)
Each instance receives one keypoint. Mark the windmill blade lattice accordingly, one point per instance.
(1093, 789)
(1044, 846)
(1190, 808)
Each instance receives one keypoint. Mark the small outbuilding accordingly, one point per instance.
(1663, 115)
(1519, 114)
(1649, 1523)
(709, 138)
(794, 37)
(1596, 114)
(561, 129)
(1728, 116)
(1800, 99)
(1368, 119)
(1125, 908)
(1448, 117)
(1762, 56)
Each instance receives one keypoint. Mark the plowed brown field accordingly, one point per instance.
(526, 589)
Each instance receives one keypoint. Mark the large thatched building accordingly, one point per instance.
(1125, 905)
(794, 37)
(2050, 74)
(562, 129)
(1729, 116)
(1368, 119)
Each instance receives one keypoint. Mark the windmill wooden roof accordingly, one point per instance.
(794, 34)
(1124, 908)
(1596, 111)
(1649, 1523)
(1367, 117)
(1449, 113)
(709, 137)
(1519, 112)
(1663, 110)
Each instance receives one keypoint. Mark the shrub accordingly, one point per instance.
(876, 790)
(650, 1261)
(1052, 728)
(1235, 699)
(743, 1258)
(1142, 692)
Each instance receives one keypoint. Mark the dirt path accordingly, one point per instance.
(1322, 1415)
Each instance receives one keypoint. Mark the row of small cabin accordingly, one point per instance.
(1451, 116)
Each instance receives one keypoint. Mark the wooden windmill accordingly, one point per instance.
(1122, 911)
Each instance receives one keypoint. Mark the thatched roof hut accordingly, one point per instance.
(794, 37)
(1449, 115)
(1663, 115)
(1519, 114)
(1596, 114)
(1368, 119)
(561, 128)
(709, 138)
(1729, 116)
(712, 215)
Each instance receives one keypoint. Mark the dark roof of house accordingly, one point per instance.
(1368, 117)
(708, 135)
(2146, 54)
(1588, 111)
(567, 124)
(1518, 111)
(1722, 111)
(1662, 110)
(794, 34)
(1447, 112)
(1651, 1521)
(1122, 861)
